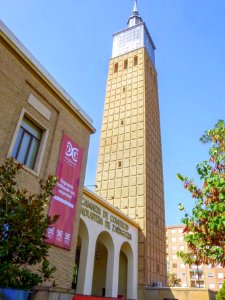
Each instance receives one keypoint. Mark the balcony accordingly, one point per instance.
(197, 284)
(194, 278)
(200, 271)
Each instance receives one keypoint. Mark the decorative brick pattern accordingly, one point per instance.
(129, 173)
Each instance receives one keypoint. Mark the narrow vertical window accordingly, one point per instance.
(125, 64)
(115, 67)
(27, 143)
(119, 164)
(135, 60)
(124, 89)
(157, 268)
(121, 122)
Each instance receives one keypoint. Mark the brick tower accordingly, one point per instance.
(129, 172)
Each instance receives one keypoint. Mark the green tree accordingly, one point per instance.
(205, 226)
(221, 294)
(173, 280)
(23, 223)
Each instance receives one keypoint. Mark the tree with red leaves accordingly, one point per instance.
(204, 229)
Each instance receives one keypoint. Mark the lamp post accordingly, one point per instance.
(91, 185)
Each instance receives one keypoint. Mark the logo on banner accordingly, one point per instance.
(72, 152)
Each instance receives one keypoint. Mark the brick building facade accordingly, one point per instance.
(31, 102)
(190, 276)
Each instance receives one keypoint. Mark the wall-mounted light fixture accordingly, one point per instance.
(98, 253)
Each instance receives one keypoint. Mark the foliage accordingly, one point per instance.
(205, 227)
(75, 275)
(221, 294)
(173, 281)
(23, 223)
(46, 269)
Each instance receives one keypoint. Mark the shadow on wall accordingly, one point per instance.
(179, 294)
(159, 294)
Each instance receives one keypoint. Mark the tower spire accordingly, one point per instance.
(135, 10)
(134, 19)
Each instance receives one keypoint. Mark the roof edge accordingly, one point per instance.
(25, 54)
(175, 226)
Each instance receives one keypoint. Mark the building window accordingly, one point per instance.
(157, 268)
(173, 231)
(210, 274)
(174, 265)
(220, 275)
(174, 248)
(27, 143)
(182, 266)
(211, 285)
(135, 60)
(174, 256)
(119, 164)
(125, 64)
(174, 240)
(181, 248)
(121, 122)
(220, 284)
(115, 67)
(124, 89)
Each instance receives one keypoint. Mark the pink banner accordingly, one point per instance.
(64, 201)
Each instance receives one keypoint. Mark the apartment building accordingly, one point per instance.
(202, 276)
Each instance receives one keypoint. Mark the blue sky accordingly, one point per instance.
(72, 39)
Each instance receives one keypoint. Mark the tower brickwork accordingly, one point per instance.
(129, 172)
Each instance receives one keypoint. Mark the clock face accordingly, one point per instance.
(131, 39)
